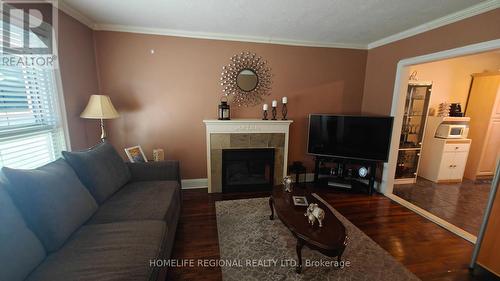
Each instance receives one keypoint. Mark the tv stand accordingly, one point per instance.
(344, 173)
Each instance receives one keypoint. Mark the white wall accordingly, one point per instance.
(451, 78)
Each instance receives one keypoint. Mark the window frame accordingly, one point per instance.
(59, 106)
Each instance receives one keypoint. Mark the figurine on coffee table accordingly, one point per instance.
(287, 183)
(315, 213)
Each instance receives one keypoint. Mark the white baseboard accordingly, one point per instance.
(309, 177)
(203, 182)
(194, 183)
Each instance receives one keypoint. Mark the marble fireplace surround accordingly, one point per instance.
(245, 133)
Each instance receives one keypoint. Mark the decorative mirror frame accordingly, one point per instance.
(229, 77)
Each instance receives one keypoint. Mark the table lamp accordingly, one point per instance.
(100, 107)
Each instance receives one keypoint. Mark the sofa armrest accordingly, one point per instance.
(154, 171)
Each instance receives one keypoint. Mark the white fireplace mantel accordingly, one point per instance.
(245, 126)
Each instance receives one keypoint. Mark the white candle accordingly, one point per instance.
(264, 107)
(284, 100)
(275, 103)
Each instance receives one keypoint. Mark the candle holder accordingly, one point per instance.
(264, 115)
(284, 111)
(274, 113)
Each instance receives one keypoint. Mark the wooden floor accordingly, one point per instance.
(461, 204)
(429, 251)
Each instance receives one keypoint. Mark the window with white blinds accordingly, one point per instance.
(31, 132)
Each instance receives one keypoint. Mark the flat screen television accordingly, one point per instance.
(350, 136)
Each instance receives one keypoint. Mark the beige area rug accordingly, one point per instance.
(253, 247)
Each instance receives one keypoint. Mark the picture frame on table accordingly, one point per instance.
(300, 201)
(135, 154)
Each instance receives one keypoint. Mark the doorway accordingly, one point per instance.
(457, 205)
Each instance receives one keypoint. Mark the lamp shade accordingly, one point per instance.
(99, 107)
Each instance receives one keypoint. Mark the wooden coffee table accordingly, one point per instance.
(330, 240)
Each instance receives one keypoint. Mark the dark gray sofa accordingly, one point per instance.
(89, 216)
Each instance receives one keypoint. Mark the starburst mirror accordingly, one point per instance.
(246, 80)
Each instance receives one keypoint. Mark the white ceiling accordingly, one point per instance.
(349, 23)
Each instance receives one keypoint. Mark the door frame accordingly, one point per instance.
(397, 108)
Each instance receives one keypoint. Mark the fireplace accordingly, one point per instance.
(240, 134)
(247, 169)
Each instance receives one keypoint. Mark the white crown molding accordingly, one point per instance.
(226, 37)
(63, 6)
(451, 18)
(480, 8)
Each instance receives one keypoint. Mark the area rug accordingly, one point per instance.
(253, 247)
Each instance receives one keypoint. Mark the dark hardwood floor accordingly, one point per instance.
(426, 249)
(461, 204)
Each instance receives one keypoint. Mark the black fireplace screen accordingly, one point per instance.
(247, 169)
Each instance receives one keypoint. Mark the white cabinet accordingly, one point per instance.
(460, 161)
(452, 166)
(446, 167)
(444, 160)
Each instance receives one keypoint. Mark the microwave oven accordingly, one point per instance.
(452, 131)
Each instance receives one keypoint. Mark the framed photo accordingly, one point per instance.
(135, 154)
(300, 201)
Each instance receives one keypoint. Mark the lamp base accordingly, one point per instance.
(103, 132)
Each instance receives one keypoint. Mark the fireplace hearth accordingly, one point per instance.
(249, 169)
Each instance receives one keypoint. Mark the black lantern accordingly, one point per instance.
(224, 112)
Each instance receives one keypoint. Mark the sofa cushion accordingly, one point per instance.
(52, 199)
(20, 249)
(113, 251)
(148, 200)
(100, 168)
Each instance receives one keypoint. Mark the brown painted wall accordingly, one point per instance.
(382, 61)
(79, 77)
(163, 97)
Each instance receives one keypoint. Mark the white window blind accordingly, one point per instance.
(31, 133)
